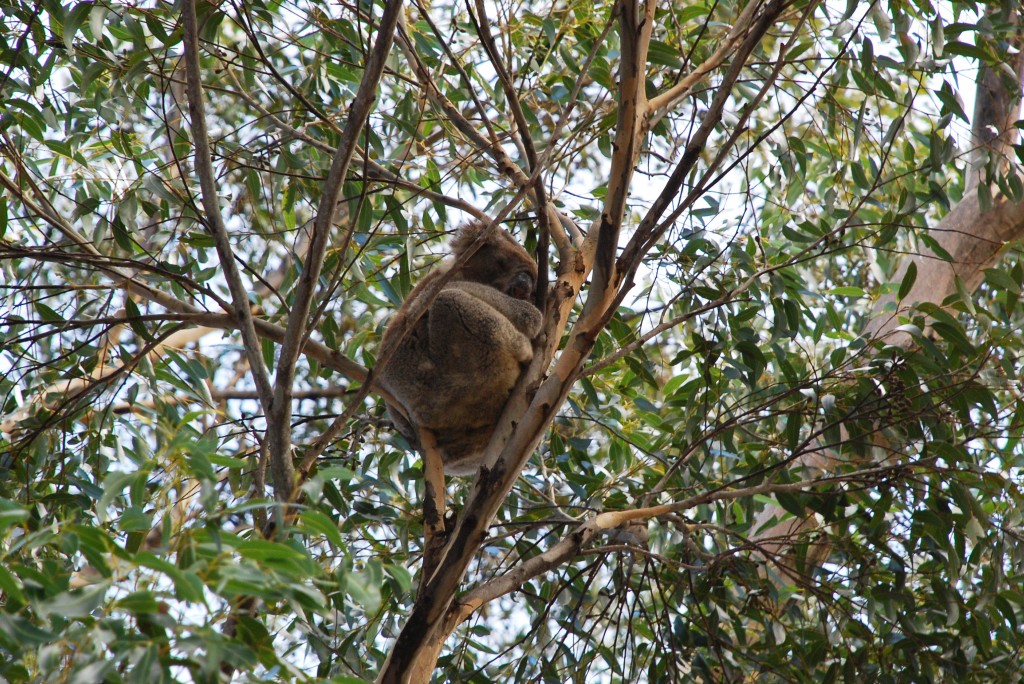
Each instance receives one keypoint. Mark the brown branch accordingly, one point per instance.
(635, 25)
(663, 103)
(213, 220)
(549, 227)
(434, 536)
(376, 171)
(997, 102)
(648, 231)
(120, 276)
(573, 544)
(457, 64)
(569, 238)
(279, 415)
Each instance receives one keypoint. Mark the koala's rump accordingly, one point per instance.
(466, 400)
(458, 399)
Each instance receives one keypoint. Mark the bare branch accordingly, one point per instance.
(279, 416)
(663, 103)
(973, 238)
(635, 25)
(577, 540)
(376, 170)
(241, 309)
(648, 232)
(434, 536)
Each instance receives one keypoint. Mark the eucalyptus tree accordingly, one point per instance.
(772, 427)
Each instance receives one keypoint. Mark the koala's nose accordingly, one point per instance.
(521, 286)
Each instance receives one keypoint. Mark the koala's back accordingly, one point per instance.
(454, 369)
(454, 380)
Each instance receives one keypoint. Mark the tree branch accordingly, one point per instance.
(279, 417)
(663, 103)
(569, 547)
(241, 309)
(434, 536)
(121, 277)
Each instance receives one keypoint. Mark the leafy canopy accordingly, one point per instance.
(134, 484)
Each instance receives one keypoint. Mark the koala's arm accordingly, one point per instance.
(522, 314)
(475, 324)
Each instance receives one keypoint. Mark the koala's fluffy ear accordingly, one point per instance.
(467, 234)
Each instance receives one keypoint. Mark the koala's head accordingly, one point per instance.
(500, 262)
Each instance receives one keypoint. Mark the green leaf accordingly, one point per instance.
(315, 522)
(965, 296)
(953, 334)
(23, 633)
(73, 21)
(908, 281)
(11, 588)
(134, 519)
(999, 279)
(664, 54)
(139, 603)
(847, 292)
(75, 604)
(276, 555)
(48, 314)
(951, 100)
(401, 576)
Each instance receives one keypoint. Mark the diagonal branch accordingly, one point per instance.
(546, 214)
(635, 26)
(648, 232)
(661, 104)
(574, 542)
(374, 170)
(279, 416)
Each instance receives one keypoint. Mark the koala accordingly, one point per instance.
(455, 368)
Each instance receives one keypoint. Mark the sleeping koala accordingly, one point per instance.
(454, 370)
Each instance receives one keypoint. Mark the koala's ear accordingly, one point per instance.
(466, 235)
